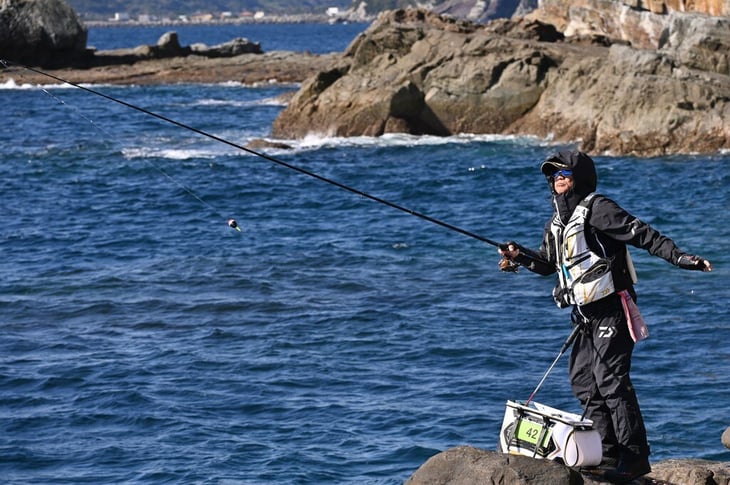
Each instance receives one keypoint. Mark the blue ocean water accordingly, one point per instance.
(333, 340)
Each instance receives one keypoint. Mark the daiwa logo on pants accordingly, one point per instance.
(605, 331)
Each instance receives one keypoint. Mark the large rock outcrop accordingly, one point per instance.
(466, 465)
(417, 72)
(40, 32)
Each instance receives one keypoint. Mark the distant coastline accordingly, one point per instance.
(269, 19)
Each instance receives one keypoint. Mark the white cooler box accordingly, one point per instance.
(547, 433)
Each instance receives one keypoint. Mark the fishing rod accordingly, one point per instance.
(568, 342)
(232, 222)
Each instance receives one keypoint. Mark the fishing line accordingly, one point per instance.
(277, 161)
(110, 135)
(231, 222)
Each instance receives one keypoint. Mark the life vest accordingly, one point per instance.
(584, 276)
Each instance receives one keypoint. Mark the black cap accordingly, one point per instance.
(552, 165)
(585, 178)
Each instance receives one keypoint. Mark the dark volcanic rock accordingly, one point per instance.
(168, 46)
(234, 47)
(465, 465)
(260, 144)
(40, 32)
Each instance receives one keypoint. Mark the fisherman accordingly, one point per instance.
(585, 244)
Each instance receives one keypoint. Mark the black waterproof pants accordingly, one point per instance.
(600, 362)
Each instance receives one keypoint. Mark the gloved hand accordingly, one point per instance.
(692, 262)
(509, 251)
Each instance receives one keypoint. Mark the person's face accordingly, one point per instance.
(563, 181)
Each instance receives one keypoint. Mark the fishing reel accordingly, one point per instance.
(508, 266)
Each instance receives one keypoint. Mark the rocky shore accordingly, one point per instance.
(275, 66)
(168, 62)
(48, 34)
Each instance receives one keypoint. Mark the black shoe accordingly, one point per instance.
(607, 463)
(628, 469)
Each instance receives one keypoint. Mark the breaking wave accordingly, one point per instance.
(312, 143)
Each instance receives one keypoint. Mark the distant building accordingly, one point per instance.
(259, 15)
(120, 17)
(201, 17)
(333, 12)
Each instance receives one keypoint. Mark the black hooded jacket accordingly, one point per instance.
(608, 224)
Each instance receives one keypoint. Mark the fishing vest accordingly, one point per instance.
(584, 276)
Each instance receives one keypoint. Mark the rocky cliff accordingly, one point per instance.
(417, 72)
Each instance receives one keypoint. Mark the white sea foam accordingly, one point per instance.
(273, 101)
(11, 84)
(170, 153)
(313, 142)
(316, 142)
(222, 102)
(259, 84)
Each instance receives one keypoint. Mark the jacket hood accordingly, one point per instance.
(585, 179)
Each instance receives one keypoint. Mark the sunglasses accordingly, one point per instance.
(563, 173)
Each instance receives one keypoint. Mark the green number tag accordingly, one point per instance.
(529, 432)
